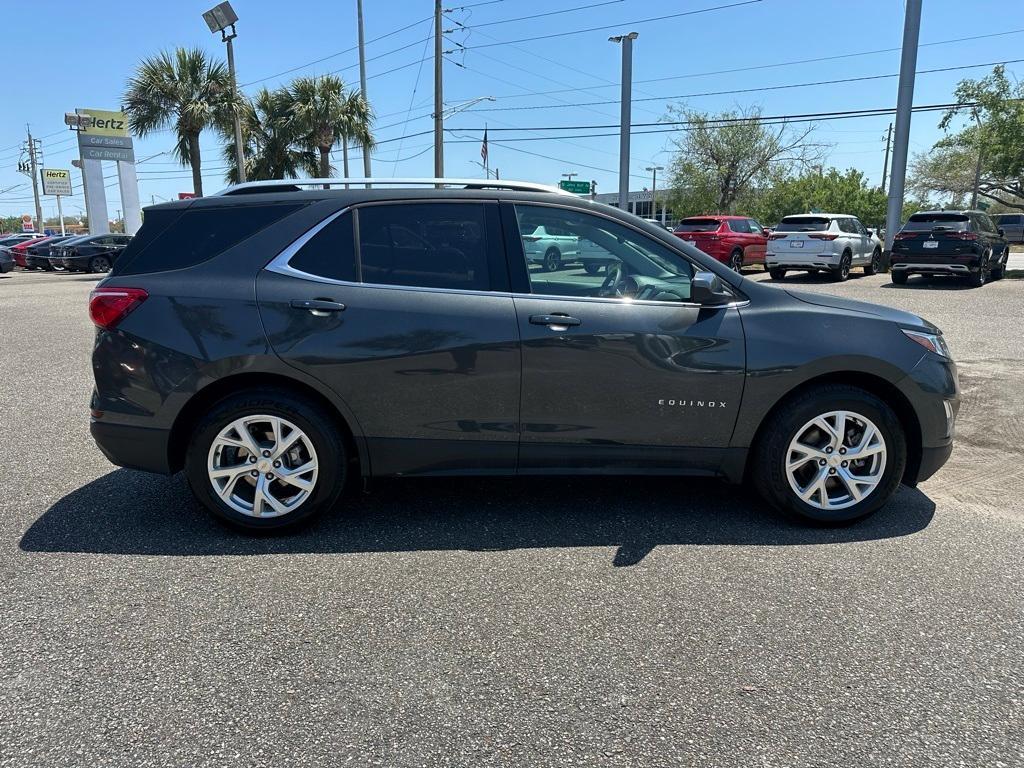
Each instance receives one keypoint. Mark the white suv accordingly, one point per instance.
(822, 242)
(551, 247)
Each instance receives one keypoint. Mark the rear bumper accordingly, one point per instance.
(810, 261)
(131, 446)
(931, 269)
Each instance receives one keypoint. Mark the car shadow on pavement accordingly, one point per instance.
(133, 513)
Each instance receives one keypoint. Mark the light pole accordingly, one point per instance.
(569, 175)
(218, 19)
(625, 114)
(654, 192)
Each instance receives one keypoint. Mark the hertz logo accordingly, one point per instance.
(109, 124)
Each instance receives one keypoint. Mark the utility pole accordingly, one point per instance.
(438, 96)
(888, 147)
(626, 100)
(33, 149)
(362, 83)
(654, 190)
(904, 104)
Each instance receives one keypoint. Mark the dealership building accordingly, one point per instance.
(641, 203)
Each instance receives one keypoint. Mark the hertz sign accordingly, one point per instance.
(56, 181)
(101, 122)
(103, 135)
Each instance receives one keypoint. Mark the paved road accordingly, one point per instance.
(594, 621)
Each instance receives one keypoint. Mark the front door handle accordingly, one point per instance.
(318, 307)
(556, 320)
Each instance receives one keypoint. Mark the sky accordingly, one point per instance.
(555, 67)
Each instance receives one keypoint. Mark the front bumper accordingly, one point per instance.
(37, 262)
(933, 390)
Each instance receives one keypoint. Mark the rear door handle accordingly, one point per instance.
(318, 307)
(554, 320)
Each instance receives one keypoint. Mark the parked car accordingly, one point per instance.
(7, 241)
(275, 343)
(961, 243)
(37, 254)
(91, 253)
(823, 242)
(17, 250)
(551, 248)
(733, 240)
(6, 261)
(1012, 225)
(56, 255)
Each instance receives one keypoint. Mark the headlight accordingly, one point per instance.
(933, 342)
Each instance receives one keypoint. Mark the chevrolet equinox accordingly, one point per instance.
(276, 341)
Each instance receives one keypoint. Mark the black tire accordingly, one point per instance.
(592, 268)
(736, 261)
(777, 273)
(552, 260)
(332, 458)
(767, 468)
(899, 277)
(99, 264)
(842, 272)
(999, 271)
(978, 279)
(875, 265)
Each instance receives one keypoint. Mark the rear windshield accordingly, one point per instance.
(804, 224)
(698, 225)
(927, 222)
(176, 238)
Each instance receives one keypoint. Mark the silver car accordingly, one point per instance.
(822, 242)
(1012, 225)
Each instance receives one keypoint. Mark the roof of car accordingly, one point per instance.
(820, 216)
(947, 212)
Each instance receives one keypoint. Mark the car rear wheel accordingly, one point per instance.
(899, 278)
(842, 272)
(736, 260)
(266, 460)
(552, 260)
(833, 454)
(999, 271)
(978, 279)
(777, 274)
(99, 264)
(875, 265)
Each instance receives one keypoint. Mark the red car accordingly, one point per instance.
(18, 251)
(733, 240)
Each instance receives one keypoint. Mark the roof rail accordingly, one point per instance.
(293, 185)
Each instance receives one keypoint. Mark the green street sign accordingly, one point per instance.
(983, 206)
(576, 187)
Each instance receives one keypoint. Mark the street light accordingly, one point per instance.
(625, 109)
(218, 19)
(654, 192)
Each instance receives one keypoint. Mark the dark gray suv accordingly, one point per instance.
(276, 342)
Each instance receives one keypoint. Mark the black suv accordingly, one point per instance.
(90, 253)
(961, 243)
(276, 342)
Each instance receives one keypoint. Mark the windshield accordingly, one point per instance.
(804, 224)
(698, 225)
(927, 222)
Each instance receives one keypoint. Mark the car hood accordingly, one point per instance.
(898, 316)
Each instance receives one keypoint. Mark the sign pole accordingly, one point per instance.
(60, 215)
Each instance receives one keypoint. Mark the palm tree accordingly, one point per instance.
(326, 114)
(184, 91)
(271, 150)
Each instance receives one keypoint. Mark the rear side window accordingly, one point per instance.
(174, 240)
(804, 224)
(331, 252)
(739, 225)
(428, 245)
(926, 222)
(698, 225)
(1009, 218)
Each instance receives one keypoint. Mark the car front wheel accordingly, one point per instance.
(833, 454)
(266, 460)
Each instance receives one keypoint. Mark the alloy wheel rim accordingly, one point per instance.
(836, 460)
(737, 262)
(101, 264)
(262, 466)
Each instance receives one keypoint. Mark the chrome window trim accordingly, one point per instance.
(630, 302)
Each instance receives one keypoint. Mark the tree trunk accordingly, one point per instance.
(196, 161)
(325, 163)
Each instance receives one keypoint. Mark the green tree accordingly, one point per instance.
(185, 91)
(722, 159)
(994, 132)
(271, 145)
(325, 114)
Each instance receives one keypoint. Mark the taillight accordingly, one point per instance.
(109, 306)
(776, 236)
(905, 235)
(822, 236)
(961, 235)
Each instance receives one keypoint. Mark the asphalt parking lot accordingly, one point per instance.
(591, 621)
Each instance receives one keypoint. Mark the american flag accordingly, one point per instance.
(483, 147)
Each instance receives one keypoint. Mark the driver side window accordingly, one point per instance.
(597, 257)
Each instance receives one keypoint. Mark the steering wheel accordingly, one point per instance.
(614, 278)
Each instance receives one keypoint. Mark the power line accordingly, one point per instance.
(617, 25)
(537, 15)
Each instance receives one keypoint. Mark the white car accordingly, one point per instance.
(551, 247)
(822, 242)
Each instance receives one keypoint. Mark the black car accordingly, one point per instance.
(38, 256)
(90, 253)
(276, 343)
(6, 261)
(961, 243)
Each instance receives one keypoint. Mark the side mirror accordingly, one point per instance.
(1001, 233)
(871, 233)
(706, 288)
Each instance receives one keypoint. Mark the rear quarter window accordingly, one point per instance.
(176, 239)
